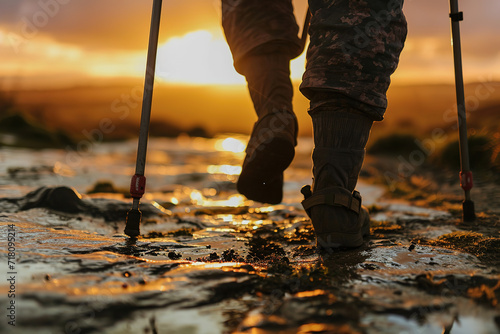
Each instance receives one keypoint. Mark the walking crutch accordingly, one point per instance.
(138, 183)
(456, 16)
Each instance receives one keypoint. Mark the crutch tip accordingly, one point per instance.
(133, 223)
(468, 213)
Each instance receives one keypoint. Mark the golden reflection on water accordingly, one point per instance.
(118, 287)
(218, 265)
(247, 222)
(63, 170)
(220, 229)
(224, 169)
(226, 218)
(232, 201)
(230, 144)
(158, 157)
(197, 197)
(265, 209)
(313, 293)
(161, 208)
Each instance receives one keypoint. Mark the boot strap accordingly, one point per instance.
(333, 196)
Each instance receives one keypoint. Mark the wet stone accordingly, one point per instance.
(61, 199)
(68, 200)
(174, 255)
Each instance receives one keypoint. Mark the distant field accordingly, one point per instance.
(414, 109)
(421, 109)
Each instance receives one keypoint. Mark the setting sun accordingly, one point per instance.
(200, 57)
(197, 58)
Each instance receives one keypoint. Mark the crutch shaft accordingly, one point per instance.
(465, 172)
(138, 182)
(148, 88)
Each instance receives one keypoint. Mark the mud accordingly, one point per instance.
(214, 262)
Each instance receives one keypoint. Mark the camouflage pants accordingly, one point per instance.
(354, 48)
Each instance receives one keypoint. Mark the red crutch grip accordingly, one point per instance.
(466, 180)
(137, 186)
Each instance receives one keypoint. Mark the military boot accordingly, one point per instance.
(335, 208)
(271, 147)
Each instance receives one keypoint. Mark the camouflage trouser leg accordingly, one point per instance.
(355, 47)
(255, 27)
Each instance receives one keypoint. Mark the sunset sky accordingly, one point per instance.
(57, 42)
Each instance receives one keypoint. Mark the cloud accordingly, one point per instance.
(428, 56)
(124, 24)
(479, 30)
(109, 24)
(63, 35)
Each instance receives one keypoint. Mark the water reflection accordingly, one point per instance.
(233, 201)
(230, 144)
(224, 169)
(190, 261)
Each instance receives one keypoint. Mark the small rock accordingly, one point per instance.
(213, 256)
(174, 256)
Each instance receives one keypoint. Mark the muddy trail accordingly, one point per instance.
(210, 261)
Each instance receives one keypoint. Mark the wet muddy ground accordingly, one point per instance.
(210, 261)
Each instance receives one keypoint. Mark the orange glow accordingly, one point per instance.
(307, 294)
(266, 209)
(233, 200)
(224, 169)
(161, 208)
(203, 57)
(197, 197)
(193, 49)
(197, 58)
(230, 144)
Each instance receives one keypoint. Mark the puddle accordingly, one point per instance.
(405, 212)
(442, 323)
(399, 260)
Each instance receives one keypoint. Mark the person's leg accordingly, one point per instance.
(355, 47)
(262, 36)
